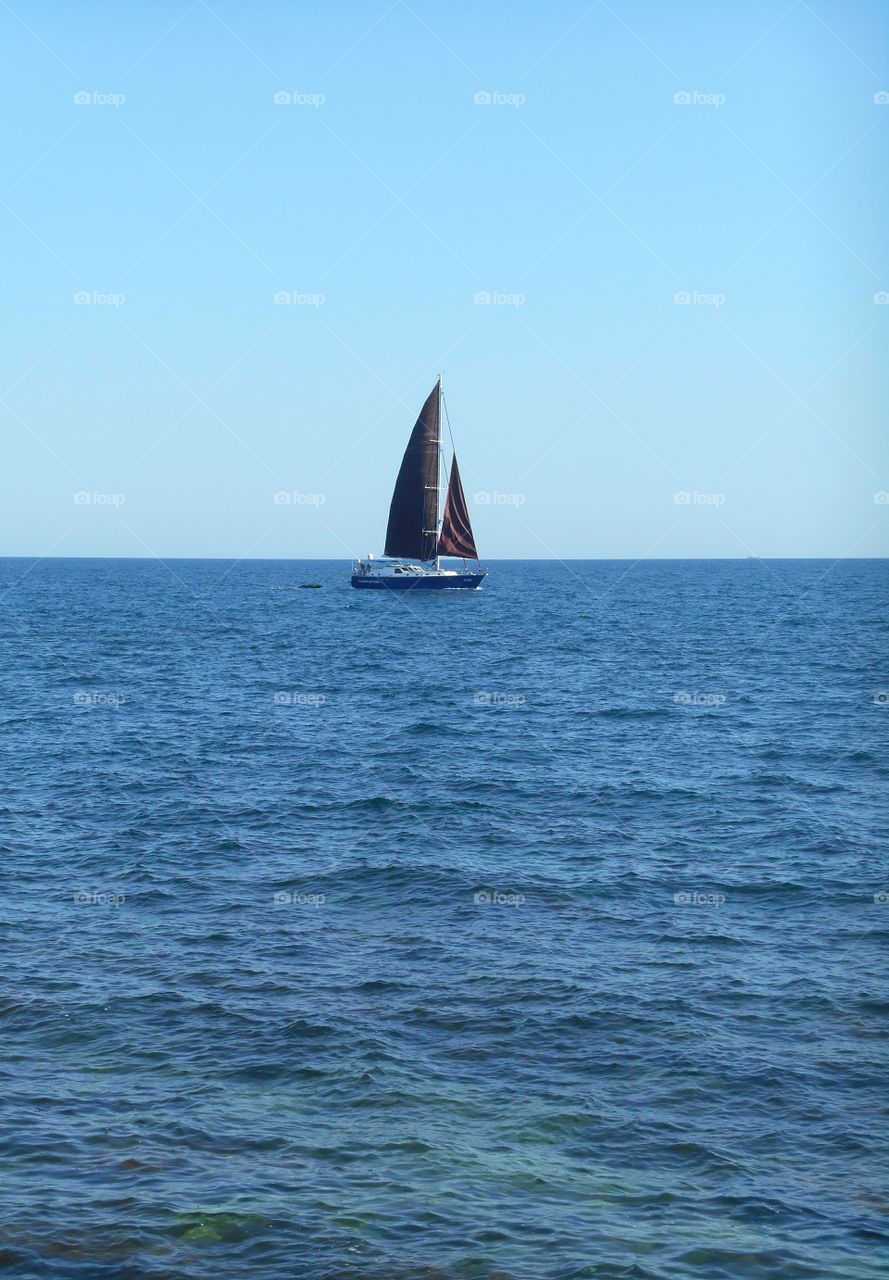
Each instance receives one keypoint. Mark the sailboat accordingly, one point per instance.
(415, 538)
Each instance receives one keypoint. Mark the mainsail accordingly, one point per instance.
(413, 513)
(456, 537)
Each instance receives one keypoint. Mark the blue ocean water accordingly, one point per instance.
(531, 933)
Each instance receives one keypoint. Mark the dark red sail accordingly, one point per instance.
(456, 537)
(413, 513)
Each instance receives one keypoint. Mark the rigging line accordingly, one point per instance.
(448, 421)
(453, 446)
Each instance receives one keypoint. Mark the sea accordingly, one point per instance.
(533, 933)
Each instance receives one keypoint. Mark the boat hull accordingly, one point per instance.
(420, 582)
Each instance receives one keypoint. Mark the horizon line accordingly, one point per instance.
(484, 560)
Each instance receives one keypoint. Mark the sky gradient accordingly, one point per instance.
(677, 214)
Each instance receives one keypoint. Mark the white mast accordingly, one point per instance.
(438, 476)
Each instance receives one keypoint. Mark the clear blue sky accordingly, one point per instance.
(583, 189)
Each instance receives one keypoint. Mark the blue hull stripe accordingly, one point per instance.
(406, 583)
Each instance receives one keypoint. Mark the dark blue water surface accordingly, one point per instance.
(529, 933)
